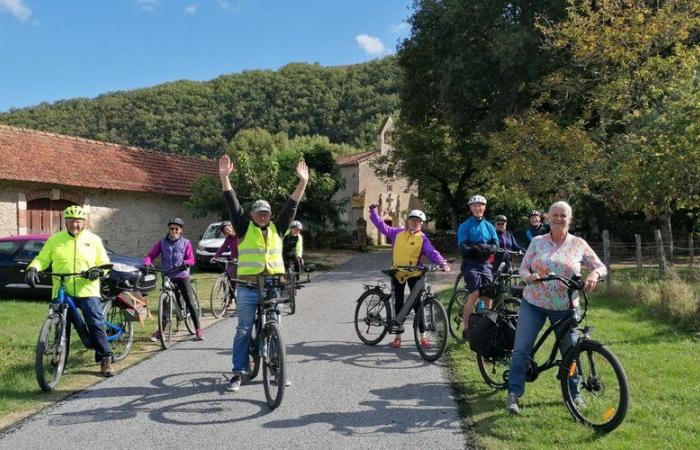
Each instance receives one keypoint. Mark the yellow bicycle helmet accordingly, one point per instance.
(74, 212)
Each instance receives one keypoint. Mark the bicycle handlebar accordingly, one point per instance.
(77, 274)
(426, 268)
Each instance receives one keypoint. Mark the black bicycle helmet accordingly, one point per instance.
(177, 221)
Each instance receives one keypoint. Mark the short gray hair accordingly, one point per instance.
(561, 205)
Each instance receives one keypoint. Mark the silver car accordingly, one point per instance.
(211, 240)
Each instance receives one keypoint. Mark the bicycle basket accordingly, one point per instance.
(491, 334)
(134, 305)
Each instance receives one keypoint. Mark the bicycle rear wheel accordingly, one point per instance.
(433, 319)
(454, 314)
(50, 353)
(273, 365)
(494, 371)
(594, 386)
(166, 318)
(189, 320)
(371, 317)
(120, 332)
(292, 291)
(219, 297)
(254, 353)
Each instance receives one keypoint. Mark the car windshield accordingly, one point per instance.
(213, 232)
(8, 248)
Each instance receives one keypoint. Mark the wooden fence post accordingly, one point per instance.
(691, 251)
(606, 256)
(638, 252)
(660, 253)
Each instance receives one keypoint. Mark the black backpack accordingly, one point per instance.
(490, 334)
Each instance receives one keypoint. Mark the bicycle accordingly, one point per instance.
(375, 312)
(222, 293)
(167, 314)
(505, 295)
(53, 343)
(593, 382)
(293, 284)
(266, 343)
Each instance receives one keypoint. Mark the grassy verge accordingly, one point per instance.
(21, 319)
(661, 362)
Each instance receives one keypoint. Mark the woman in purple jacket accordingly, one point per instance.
(176, 258)
(409, 245)
(230, 244)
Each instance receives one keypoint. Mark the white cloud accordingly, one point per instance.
(400, 28)
(191, 9)
(17, 8)
(370, 44)
(225, 4)
(147, 5)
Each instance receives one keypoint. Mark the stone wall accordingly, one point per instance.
(8, 210)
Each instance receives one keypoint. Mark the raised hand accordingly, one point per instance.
(302, 171)
(226, 166)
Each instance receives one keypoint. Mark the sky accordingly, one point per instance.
(53, 49)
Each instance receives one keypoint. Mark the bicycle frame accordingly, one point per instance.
(417, 291)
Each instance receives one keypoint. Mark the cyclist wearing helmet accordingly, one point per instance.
(476, 240)
(506, 241)
(76, 249)
(293, 246)
(176, 258)
(259, 253)
(536, 228)
(409, 245)
(230, 245)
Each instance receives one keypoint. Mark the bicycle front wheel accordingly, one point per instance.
(494, 371)
(50, 353)
(454, 314)
(120, 332)
(273, 365)
(430, 330)
(292, 292)
(371, 317)
(189, 319)
(594, 386)
(254, 352)
(166, 319)
(219, 297)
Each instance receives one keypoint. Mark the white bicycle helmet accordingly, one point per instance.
(417, 213)
(477, 199)
(296, 224)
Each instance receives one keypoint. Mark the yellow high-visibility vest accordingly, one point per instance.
(257, 255)
(407, 250)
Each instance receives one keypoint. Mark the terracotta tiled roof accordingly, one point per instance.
(37, 156)
(352, 160)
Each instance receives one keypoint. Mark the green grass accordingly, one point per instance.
(21, 320)
(662, 366)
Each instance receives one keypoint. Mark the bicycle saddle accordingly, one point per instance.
(390, 272)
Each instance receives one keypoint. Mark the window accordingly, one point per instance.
(8, 248)
(30, 249)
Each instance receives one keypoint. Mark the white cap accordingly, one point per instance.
(417, 213)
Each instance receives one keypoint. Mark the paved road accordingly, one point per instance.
(344, 394)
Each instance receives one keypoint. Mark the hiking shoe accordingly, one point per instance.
(425, 342)
(155, 337)
(396, 343)
(512, 404)
(234, 384)
(106, 367)
(199, 335)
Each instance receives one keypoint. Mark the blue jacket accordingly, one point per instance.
(476, 232)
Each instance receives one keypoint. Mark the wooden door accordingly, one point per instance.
(46, 215)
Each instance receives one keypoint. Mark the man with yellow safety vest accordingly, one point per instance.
(259, 253)
(74, 250)
(409, 244)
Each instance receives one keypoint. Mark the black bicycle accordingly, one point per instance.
(501, 290)
(222, 293)
(593, 382)
(172, 310)
(375, 315)
(266, 344)
(292, 283)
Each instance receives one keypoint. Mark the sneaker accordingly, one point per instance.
(199, 335)
(425, 342)
(512, 404)
(396, 343)
(155, 337)
(234, 384)
(106, 368)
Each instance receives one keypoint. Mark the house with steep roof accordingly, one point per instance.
(395, 197)
(130, 193)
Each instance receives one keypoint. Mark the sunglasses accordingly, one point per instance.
(500, 223)
(174, 229)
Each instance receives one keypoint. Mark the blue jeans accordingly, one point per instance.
(95, 321)
(530, 321)
(246, 304)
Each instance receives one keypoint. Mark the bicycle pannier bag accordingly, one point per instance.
(134, 305)
(490, 334)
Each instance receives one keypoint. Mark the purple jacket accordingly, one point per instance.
(230, 243)
(427, 250)
(172, 254)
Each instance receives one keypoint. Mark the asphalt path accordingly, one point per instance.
(344, 394)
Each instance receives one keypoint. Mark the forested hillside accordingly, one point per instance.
(346, 104)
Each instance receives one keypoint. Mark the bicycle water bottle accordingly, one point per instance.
(480, 305)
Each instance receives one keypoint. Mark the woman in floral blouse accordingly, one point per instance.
(560, 253)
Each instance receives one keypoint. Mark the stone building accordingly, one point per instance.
(363, 187)
(130, 193)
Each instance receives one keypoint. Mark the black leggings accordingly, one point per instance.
(184, 287)
(399, 289)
